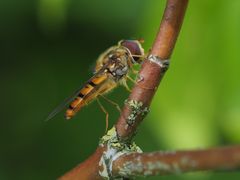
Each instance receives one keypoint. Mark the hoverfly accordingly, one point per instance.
(112, 68)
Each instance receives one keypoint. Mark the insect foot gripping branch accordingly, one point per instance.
(114, 150)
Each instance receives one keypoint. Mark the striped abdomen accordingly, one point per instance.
(85, 95)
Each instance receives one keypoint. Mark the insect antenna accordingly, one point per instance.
(135, 55)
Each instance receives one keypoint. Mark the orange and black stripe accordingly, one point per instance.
(87, 90)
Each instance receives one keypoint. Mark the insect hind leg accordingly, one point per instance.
(105, 111)
(124, 83)
(112, 102)
(130, 79)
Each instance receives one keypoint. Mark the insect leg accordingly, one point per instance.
(133, 71)
(111, 102)
(124, 83)
(135, 55)
(105, 111)
(129, 78)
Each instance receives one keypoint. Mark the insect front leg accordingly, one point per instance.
(105, 111)
(111, 102)
(124, 83)
(130, 79)
(133, 70)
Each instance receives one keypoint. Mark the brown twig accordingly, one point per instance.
(161, 163)
(149, 78)
(151, 73)
(86, 170)
(143, 164)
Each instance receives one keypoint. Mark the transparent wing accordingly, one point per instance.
(68, 100)
(63, 105)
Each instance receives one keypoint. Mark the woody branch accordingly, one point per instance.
(150, 75)
(171, 162)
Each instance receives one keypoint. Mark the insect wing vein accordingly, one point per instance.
(68, 100)
(63, 105)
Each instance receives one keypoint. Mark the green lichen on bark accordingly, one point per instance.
(112, 140)
(137, 109)
(115, 149)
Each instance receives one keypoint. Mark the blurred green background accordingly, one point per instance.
(48, 49)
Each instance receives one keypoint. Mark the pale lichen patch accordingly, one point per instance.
(104, 172)
(185, 160)
(111, 135)
(151, 167)
(114, 150)
(169, 152)
(158, 165)
(137, 109)
(131, 168)
(139, 168)
(176, 168)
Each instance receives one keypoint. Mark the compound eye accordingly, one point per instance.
(134, 47)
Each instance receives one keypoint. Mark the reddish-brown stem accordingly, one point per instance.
(140, 164)
(89, 169)
(151, 73)
(169, 29)
(150, 76)
(161, 163)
